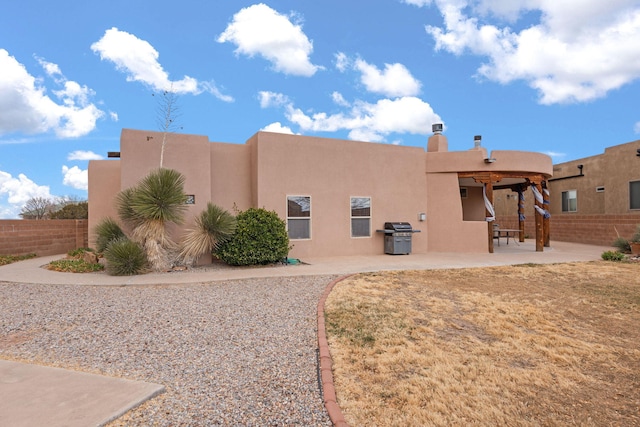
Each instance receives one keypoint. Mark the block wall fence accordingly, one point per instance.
(42, 237)
(588, 229)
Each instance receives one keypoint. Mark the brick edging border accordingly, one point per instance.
(326, 372)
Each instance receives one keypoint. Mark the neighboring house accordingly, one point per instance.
(333, 194)
(592, 200)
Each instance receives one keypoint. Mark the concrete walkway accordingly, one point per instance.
(32, 395)
(29, 271)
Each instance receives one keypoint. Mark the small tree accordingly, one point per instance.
(37, 208)
(78, 210)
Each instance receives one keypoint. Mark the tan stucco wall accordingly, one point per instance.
(104, 184)
(613, 170)
(231, 176)
(188, 154)
(622, 166)
(331, 172)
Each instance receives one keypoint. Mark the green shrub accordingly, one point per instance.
(74, 266)
(125, 258)
(8, 259)
(622, 244)
(260, 238)
(107, 231)
(612, 256)
(78, 252)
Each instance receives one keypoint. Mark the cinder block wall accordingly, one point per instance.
(42, 237)
(589, 229)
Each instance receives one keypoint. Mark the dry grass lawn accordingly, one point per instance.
(528, 345)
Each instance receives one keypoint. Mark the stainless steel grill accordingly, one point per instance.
(397, 238)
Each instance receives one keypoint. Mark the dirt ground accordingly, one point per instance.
(525, 345)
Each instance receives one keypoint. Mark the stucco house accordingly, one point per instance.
(334, 194)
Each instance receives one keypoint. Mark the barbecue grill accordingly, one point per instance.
(397, 237)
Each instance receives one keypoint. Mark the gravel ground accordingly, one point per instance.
(239, 353)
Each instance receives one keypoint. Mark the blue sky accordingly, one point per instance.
(536, 75)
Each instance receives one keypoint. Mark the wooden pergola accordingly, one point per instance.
(518, 182)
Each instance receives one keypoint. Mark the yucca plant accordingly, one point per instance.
(213, 227)
(106, 231)
(125, 258)
(148, 207)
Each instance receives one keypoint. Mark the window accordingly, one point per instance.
(569, 201)
(360, 216)
(463, 192)
(299, 217)
(634, 195)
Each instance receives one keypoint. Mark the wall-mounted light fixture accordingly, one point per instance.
(580, 167)
(638, 152)
(422, 216)
(437, 128)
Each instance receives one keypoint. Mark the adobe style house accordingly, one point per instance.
(333, 194)
(592, 199)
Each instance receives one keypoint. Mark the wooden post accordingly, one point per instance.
(546, 222)
(539, 222)
(520, 190)
(489, 192)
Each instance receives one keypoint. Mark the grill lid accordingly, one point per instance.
(398, 226)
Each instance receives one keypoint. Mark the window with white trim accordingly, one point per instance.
(634, 195)
(570, 201)
(361, 217)
(299, 217)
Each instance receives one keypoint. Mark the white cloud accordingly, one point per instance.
(113, 115)
(25, 106)
(260, 30)
(84, 155)
(394, 80)
(636, 127)
(138, 59)
(277, 127)
(418, 3)
(342, 62)
(372, 122)
(554, 154)
(75, 177)
(272, 99)
(575, 53)
(339, 99)
(17, 192)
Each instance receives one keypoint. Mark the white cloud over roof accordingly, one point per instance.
(260, 30)
(394, 80)
(138, 59)
(577, 52)
(371, 121)
(26, 107)
(84, 155)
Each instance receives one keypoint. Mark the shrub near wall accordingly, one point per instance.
(42, 237)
